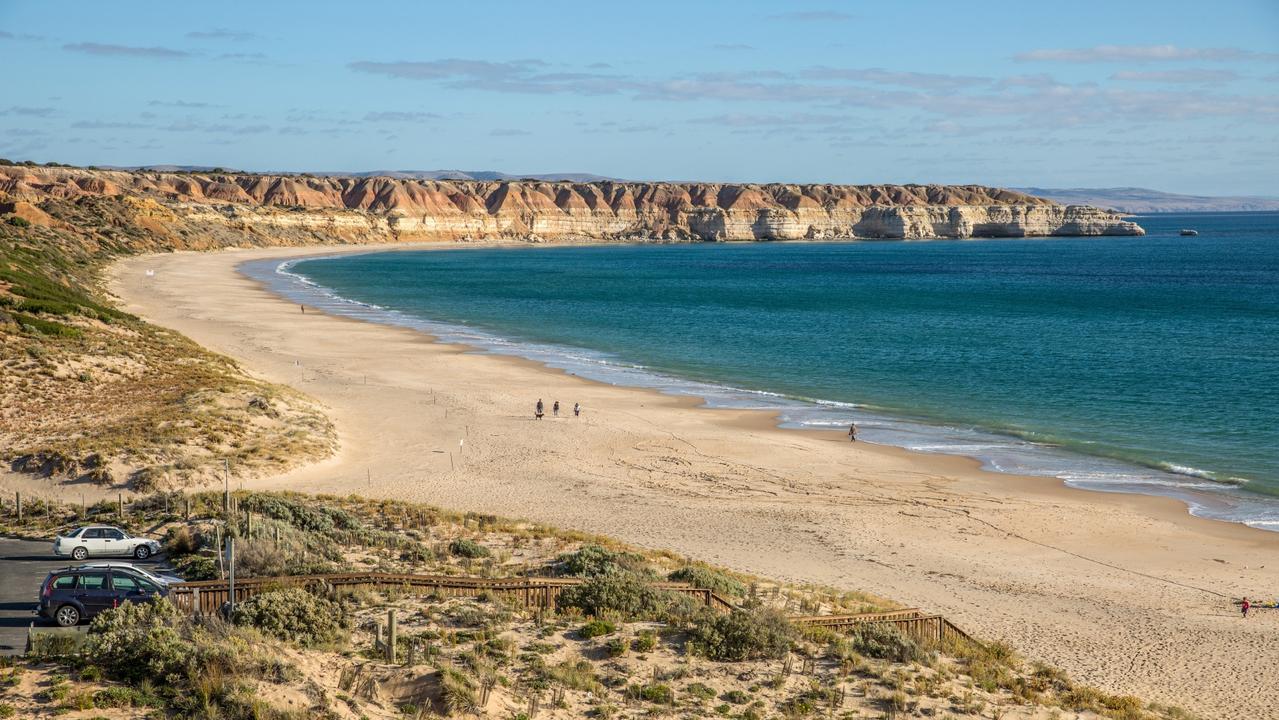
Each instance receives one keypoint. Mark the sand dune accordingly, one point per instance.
(1128, 593)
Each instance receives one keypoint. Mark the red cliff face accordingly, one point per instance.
(456, 210)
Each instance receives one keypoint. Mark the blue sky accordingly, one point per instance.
(1175, 95)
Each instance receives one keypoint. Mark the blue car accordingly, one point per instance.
(73, 595)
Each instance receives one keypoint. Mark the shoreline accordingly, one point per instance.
(1083, 579)
(1217, 505)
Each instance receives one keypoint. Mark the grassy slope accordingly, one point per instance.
(89, 391)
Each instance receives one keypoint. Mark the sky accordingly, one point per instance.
(1176, 95)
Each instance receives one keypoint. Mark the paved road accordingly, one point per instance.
(23, 565)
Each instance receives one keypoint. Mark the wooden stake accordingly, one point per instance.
(390, 635)
(18, 504)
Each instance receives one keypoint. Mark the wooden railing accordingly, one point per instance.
(910, 622)
(207, 596)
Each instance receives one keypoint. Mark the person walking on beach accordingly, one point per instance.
(577, 410)
(852, 432)
(303, 309)
(1245, 606)
(540, 409)
(556, 408)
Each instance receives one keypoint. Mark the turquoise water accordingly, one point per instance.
(1147, 364)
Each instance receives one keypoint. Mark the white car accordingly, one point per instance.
(160, 580)
(103, 541)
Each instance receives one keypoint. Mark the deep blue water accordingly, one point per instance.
(1117, 363)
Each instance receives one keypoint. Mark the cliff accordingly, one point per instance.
(363, 209)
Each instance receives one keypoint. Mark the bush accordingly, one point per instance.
(742, 635)
(701, 691)
(625, 593)
(658, 693)
(645, 641)
(704, 577)
(883, 641)
(467, 548)
(615, 647)
(596, 628)
(737, 697)
(594, 560)
(19, 222)
(140, 641)
(294, 615)
(196, 567)
(181, 541)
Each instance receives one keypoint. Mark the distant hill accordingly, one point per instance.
(1140, 200)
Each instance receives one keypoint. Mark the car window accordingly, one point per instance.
(93, 581)
(74, 532)
(91, 534)
(113, 534)
(123, 582)
(64, 581)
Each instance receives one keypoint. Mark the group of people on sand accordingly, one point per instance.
(540, 410)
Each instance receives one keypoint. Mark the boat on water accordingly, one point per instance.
(1189, 233)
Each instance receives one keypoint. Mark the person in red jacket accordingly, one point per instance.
(1246, 606)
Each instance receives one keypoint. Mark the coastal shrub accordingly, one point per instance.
(701, 691)
(596, 628)
(616, 647)
(293, 614)
(645, 641)
(21, 222)
(742, 634)
(658, 693)
(885, 642)
(594, 560)
(704, 577)
(181, 540)
(736, 697)
(625, 593)
(457, 692)
(140, 641)
(196, 567)
(467, 548)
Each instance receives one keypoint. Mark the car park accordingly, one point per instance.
(72, 595)
(103, 541)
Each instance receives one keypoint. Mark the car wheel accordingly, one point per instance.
(67, 615)
(80, 553)
(142, 552)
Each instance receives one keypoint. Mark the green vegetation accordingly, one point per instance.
(742, 635)
(468, 548)
(86, 379)
(705, 577)
(294, 615)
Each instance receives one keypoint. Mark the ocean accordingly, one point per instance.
(1129, 364)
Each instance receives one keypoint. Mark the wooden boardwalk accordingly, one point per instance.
(208, 596)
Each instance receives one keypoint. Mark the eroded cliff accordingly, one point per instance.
(382, 208)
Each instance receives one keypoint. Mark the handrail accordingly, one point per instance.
(207, 596)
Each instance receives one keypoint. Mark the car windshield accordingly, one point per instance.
(73, 532)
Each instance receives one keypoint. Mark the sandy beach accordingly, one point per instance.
(1129, 593)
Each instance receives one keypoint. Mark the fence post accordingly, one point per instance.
(119, 507)
(196, 608)
(188, 508)
(230, 552)
(390, 635)
(18, 504)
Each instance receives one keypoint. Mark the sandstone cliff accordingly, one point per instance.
(363, 209)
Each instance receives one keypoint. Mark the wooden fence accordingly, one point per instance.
(208, 596)
(910, 622)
